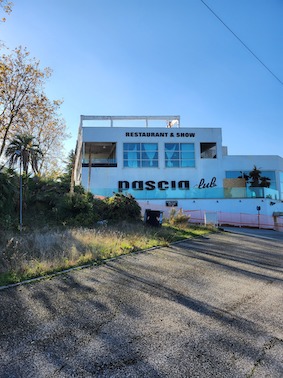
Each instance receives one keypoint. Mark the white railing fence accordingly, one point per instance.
(220, 218)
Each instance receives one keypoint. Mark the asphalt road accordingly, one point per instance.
(209, 307)
(258, 233)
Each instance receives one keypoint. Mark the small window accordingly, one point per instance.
(179, 155)
(208, 151)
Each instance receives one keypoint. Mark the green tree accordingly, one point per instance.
(8, 197)
(70, 166)
(24, 149)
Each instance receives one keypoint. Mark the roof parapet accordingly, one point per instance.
(110, 121)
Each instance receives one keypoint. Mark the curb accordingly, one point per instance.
(80, 267)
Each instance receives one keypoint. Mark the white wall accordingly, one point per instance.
(247, 206)
(206, 169)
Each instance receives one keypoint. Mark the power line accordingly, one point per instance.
(235, 35)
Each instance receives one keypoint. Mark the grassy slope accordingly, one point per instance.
(44, 252)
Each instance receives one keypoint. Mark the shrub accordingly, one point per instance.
(178, 218)
(76, 210)
(48, 202)
(9, 197)
(123, 207)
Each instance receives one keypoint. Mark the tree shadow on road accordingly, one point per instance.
(135, 316)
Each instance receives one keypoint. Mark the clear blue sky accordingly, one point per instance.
(162, 57)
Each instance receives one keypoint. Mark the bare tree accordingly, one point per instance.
(7, 7)
(25, 108)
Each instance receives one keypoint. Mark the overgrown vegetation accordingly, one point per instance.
(178, 218)
(41, 252)
(63, 228)
(48, 202)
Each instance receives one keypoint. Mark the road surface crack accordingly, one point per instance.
(267, 346)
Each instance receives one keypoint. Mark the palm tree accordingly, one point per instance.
(255, 175)
(265, 182)
(256, 180)
(23, 148)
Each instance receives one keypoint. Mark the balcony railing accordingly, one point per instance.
(194, 193)
(99, 163)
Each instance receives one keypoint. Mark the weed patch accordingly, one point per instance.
(41, 252)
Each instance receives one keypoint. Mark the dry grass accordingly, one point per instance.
(41, 252)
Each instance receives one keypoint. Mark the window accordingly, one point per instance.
(237, 174)
(208, 151)
(179, 155)
(281, 185)
(143, 155)
(99, 154)
(245, 174)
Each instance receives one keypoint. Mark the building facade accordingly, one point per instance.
(164, 165)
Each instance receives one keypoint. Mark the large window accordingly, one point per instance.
(99, 154)
(208, 151)
(143, 155)
(179, 155)
(281, 185)
(245, 174)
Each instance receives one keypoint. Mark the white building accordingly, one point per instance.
(163, 164)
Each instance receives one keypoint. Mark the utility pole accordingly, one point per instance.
(19, 153)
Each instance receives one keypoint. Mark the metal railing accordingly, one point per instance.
(237, 219)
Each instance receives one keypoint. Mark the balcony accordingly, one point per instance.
(99, 163)
(194, 193)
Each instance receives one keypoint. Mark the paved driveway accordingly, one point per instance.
(259, 233)
(209, 307)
